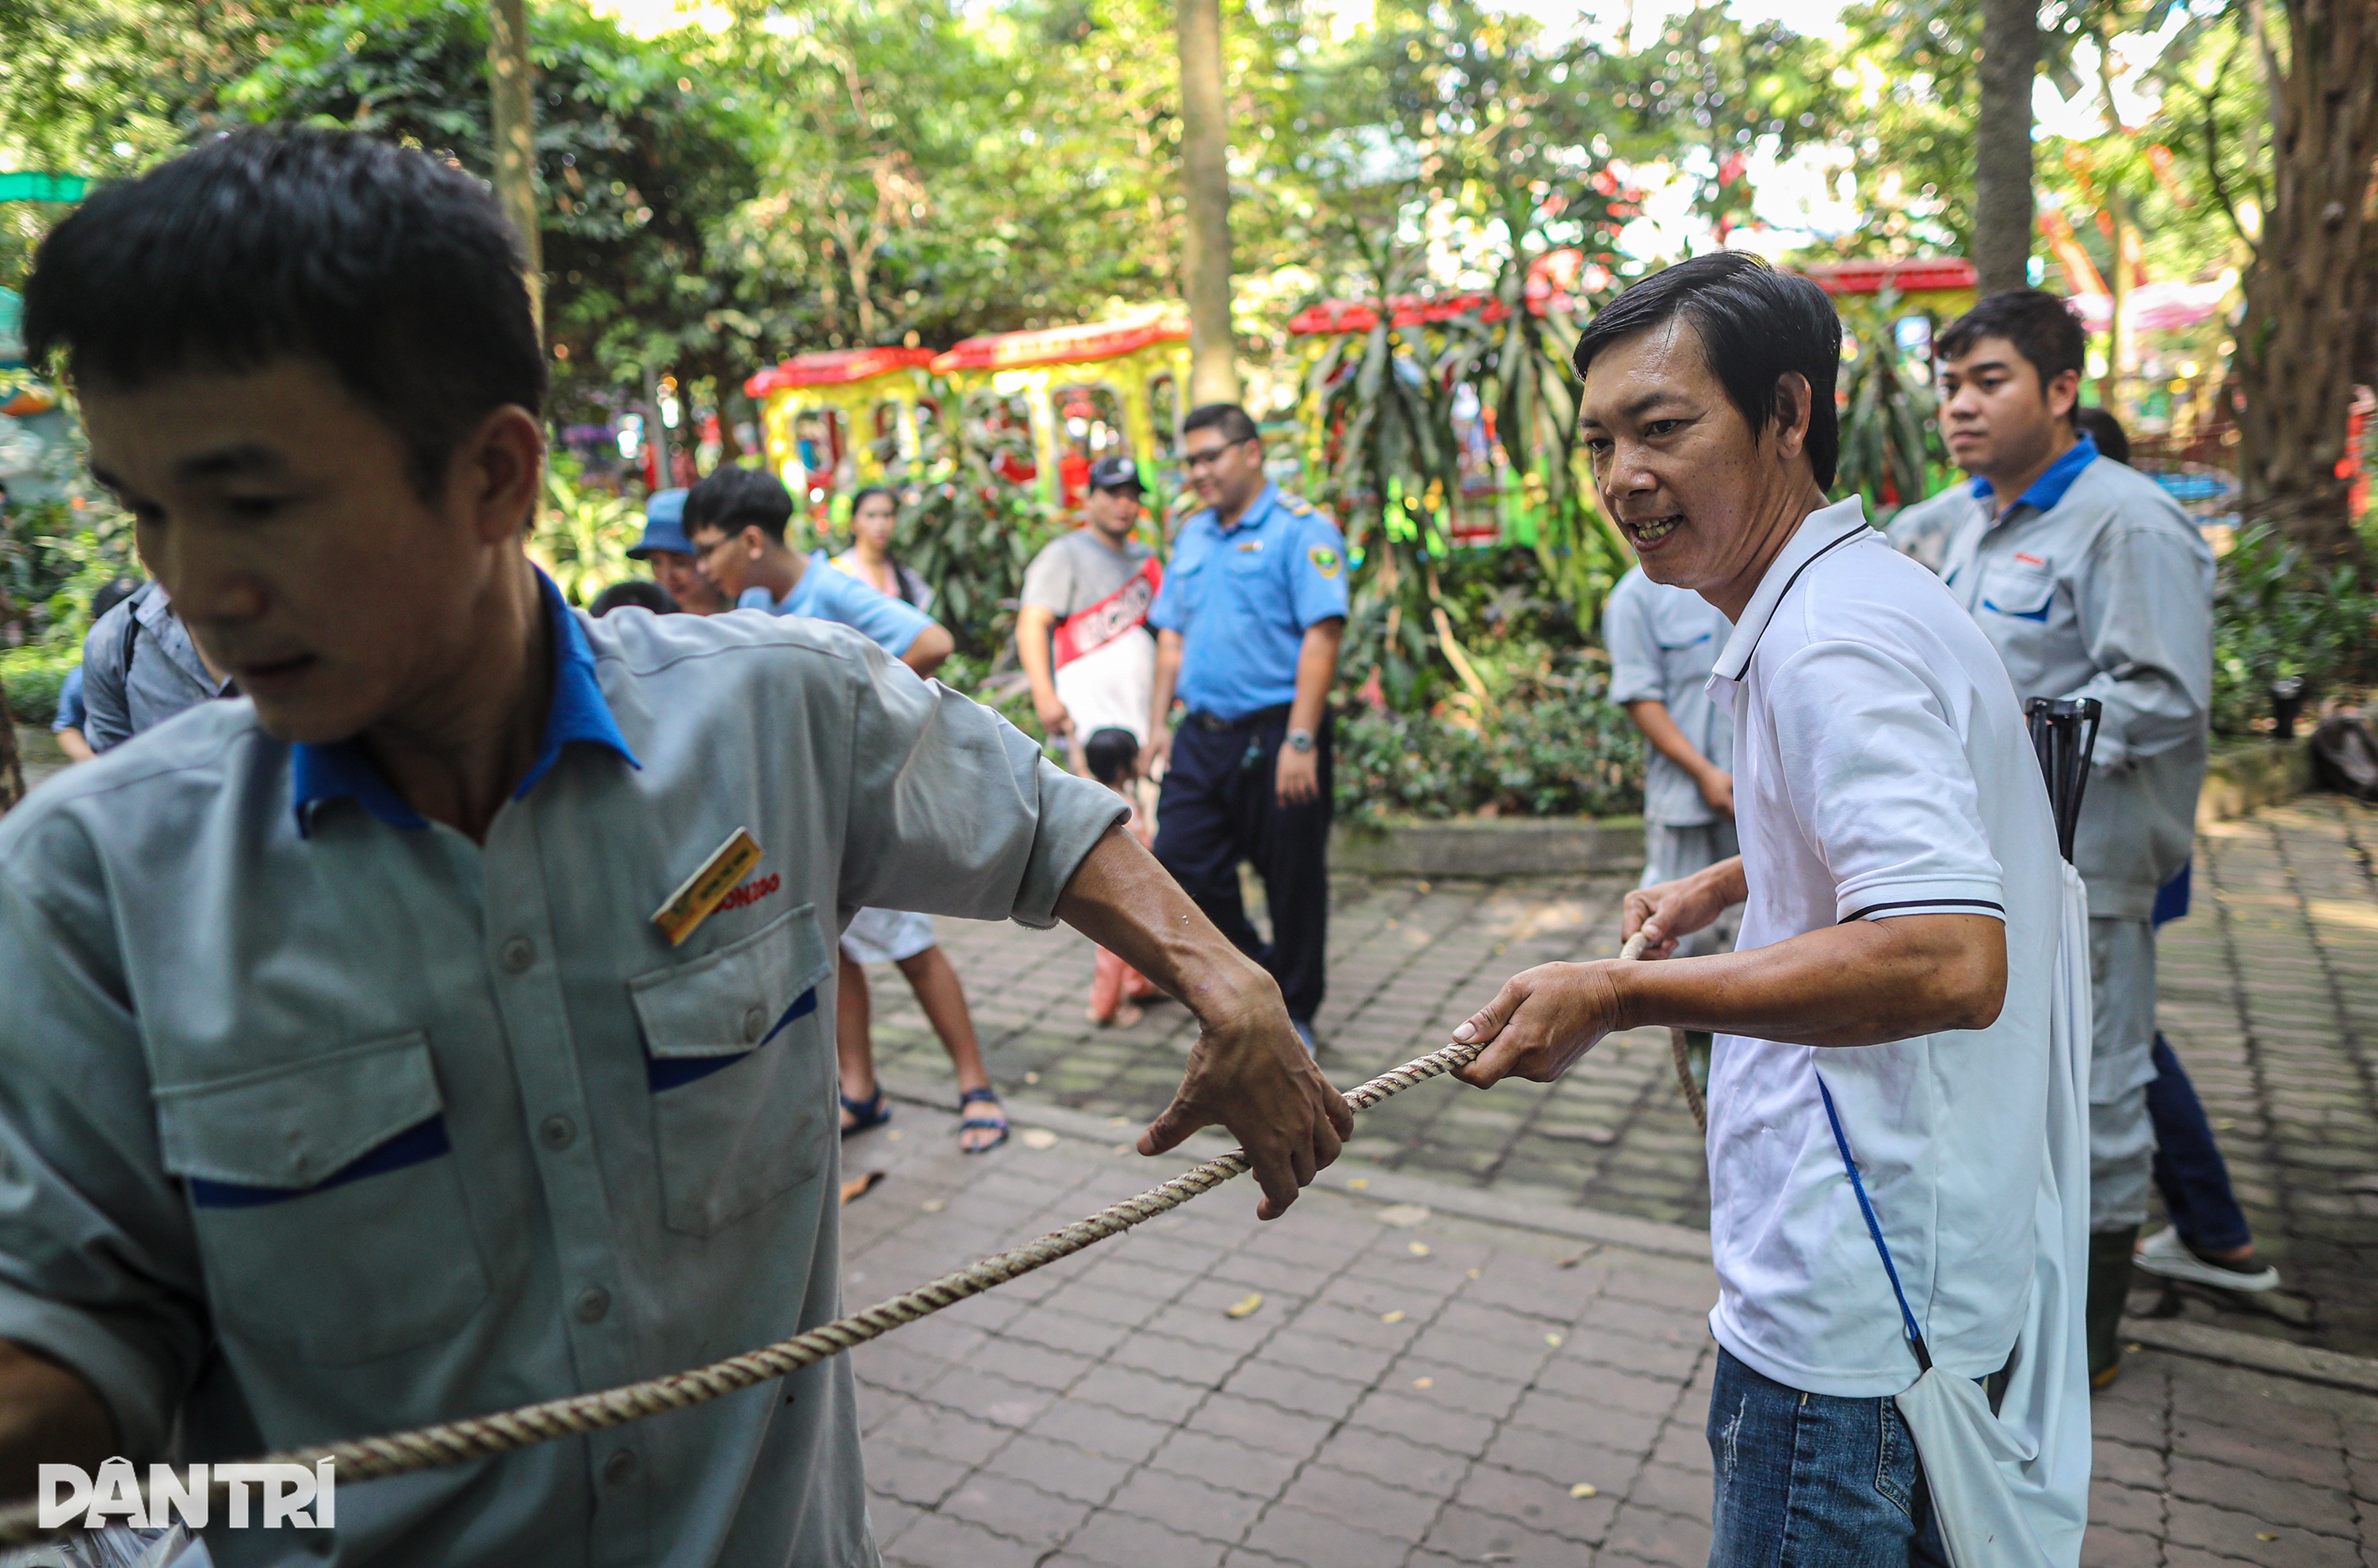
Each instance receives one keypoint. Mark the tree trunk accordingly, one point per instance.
(12, 777)
(511, 90)
(1206, 181)
(2314, 281)
(2002, 194)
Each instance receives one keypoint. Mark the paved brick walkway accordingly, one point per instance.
(1437, 1391)
(2270, 993)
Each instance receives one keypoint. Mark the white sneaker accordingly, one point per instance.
(2165, 1255)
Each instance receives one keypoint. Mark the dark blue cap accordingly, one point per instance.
(663, 525)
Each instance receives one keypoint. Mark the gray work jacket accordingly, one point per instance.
(1663, 643)
(318, 1121)
(2095, 583)
(140, 668)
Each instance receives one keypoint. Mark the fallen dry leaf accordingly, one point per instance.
(1584, 1488)
(1403, 1216)
(1245, 1305)
(1423, 1382)
(1037, 1137)
(934, 1205)
(1395, 1317)
(1553, 1340)
(1359, 1183)
(1417, 1248)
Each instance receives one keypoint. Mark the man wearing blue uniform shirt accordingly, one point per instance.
(1247, 630)
(373, 1049)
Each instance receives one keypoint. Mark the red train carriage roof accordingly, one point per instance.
(835, 367)
(1929, 275)
(1060, 345)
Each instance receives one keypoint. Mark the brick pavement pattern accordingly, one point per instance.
(1434, 1392)
(2270, 995)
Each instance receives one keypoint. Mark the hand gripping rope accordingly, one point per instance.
(483, 1437)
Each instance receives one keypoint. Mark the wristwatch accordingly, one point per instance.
(1299, 740)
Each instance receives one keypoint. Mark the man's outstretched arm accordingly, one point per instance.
(48, 1416)
(1249, 1073)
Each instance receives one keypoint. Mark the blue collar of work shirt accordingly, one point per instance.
(2050, 488)
(579, 713)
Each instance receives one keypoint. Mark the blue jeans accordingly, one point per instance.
(1813, 1480)
(2188, 1169)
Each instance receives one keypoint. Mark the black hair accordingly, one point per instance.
(1227, 419)
(113, 591)
(639, 593)
(1755, 326)
(900, 589)
(733, 499)
(1112, 753)
(396, 271)
(2043, 328)
(2106, 430)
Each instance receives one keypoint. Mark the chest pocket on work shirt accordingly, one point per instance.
(329, 1209)
(741, 1072)
(2018, 590)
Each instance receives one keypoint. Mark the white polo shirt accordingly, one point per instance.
(1881, 768)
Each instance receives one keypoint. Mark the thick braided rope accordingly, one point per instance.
(483, 1437)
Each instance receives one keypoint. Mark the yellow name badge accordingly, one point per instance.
(701, 893)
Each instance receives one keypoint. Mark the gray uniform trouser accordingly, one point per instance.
(2122, 1137)
(1670, 852)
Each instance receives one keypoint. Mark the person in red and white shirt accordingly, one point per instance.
(1082, 633)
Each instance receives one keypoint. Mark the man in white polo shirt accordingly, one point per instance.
(1901, 927)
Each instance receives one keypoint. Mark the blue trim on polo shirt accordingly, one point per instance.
(2050, 488)
(417, 1145)
(579, 714)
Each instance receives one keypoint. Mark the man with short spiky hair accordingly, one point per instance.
(447, 1023)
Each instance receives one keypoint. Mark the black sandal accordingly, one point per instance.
(864, 1114)
(995, 1121)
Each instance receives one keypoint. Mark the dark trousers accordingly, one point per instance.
(1216, 808)
(2188, 1167)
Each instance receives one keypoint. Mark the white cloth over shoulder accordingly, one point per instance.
(2013, 1488)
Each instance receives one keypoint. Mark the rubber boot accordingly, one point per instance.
(2110, 1288)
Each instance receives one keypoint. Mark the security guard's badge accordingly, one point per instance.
(1325, 560)
(706, 889)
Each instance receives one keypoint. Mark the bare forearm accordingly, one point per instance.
(48, 1416)
(1659, 727)
(934, 644)
(1032, 624)
(1866, 983)
(1316, 668)
(1168, 673)
(1120, 898)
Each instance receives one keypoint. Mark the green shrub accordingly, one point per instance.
(1554, 754)
(2275, 615)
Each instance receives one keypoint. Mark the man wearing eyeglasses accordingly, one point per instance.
(1247, 628)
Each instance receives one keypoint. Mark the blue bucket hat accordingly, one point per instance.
(664, 526)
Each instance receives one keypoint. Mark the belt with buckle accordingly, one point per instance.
(1255, 720)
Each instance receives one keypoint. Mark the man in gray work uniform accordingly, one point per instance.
(2091, 583)
(447, 1024)
(140, 668)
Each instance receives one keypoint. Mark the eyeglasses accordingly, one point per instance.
(1209, 457)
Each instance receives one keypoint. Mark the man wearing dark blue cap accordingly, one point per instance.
(670, 554)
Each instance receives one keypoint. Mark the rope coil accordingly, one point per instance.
(506, 1432)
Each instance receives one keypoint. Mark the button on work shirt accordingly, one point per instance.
(2095, 583)
(1662, 642)
(162, 675)
(1243, 597)
(317, 1121)
(1881, 769)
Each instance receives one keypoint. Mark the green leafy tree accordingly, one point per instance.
(635, 163)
